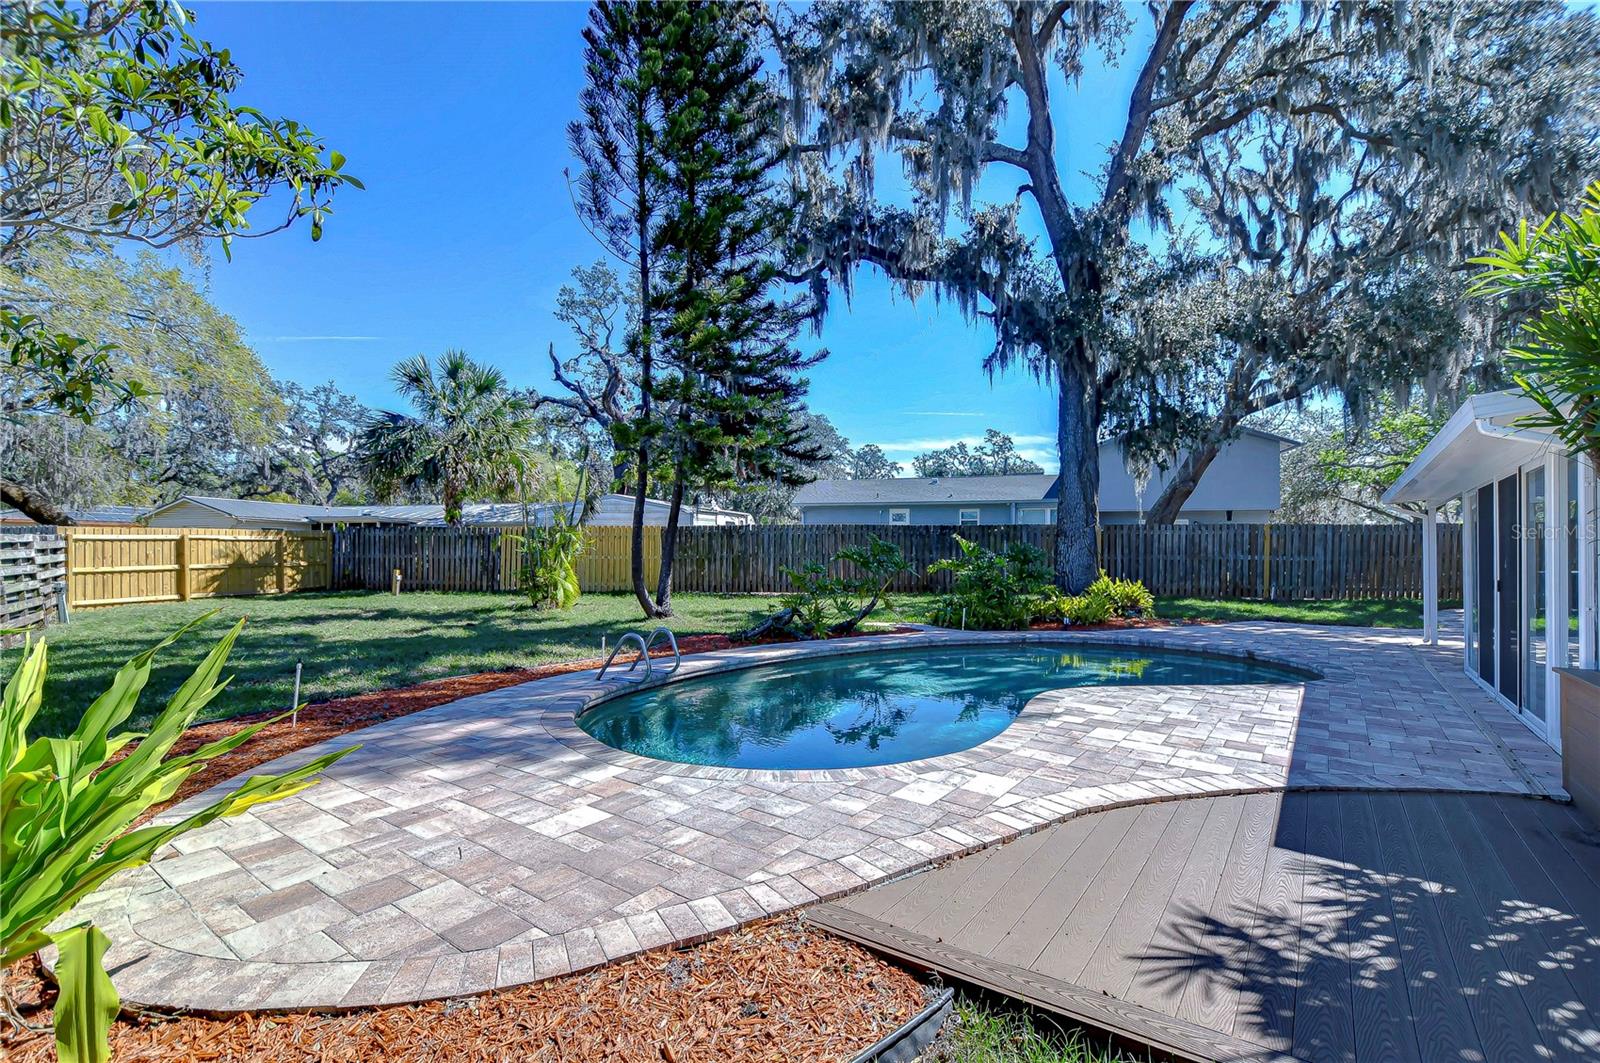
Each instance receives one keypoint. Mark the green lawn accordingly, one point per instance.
(349, 642)
(988, 1030)
(1364, 612)
(357, 641)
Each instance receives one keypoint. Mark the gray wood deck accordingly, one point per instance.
(1315, 926)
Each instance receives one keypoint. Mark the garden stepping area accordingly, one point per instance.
(489, 842)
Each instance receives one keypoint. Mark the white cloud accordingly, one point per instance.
(1026, 444)
(317, 339)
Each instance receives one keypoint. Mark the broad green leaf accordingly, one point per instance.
(88, 1002)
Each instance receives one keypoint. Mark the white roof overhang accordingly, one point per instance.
(1479, 444)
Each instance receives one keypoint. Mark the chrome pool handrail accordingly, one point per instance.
(672, 640)
(644, 652)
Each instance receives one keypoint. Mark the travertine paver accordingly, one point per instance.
(490, 842)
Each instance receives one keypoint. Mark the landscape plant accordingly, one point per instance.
(822, 605)
(68, 808)
(1556, 264)
(995, 591)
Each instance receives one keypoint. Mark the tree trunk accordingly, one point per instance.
(641, 485)
(1184, 480)
(669, 550)
(31, 505)
(1078, 508)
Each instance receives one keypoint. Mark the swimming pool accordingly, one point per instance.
(863, 709)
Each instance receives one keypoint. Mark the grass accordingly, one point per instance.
(357, 641)
(349, 642)
(983, 1030)
(1362, 612)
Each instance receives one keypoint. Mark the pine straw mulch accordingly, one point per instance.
(778, 990)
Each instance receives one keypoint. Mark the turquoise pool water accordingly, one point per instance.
(858, 710)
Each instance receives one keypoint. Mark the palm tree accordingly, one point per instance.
(470, 436)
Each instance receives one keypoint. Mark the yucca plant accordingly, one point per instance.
(66, 808)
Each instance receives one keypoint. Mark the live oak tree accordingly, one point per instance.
(1241, 113)
(869, 462)
(119, 125)
(995, 456)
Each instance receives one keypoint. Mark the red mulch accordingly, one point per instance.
(774, 991)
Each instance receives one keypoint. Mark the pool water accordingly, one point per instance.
(858, 710)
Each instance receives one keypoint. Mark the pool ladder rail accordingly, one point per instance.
(644, 645)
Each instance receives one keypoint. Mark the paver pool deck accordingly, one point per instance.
(489, 842)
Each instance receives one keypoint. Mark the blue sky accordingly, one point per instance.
(454, 117)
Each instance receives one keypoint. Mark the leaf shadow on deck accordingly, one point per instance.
(1440, 942)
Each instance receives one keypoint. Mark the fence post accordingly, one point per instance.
(283, 562)
(1266, 562)
(182, 557)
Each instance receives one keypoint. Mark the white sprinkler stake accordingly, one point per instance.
(294, 715)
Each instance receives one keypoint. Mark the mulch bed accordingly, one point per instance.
(774, 991)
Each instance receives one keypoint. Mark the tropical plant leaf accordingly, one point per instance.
(88, 1002)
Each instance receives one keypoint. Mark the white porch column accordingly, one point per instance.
(1430, 575)
(1588, 652)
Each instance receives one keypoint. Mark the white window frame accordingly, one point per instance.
(977, 517)
(1048, 511)
(900, 515)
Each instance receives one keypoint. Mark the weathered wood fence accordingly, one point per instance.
(33, 574)
(1281, 561)
(112, 565)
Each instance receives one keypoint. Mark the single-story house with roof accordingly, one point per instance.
(1242, 485)
(204, 511)
(1530, 562)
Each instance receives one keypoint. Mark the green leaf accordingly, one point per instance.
(88, 1002)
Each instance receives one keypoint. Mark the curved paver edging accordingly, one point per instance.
(471, 846)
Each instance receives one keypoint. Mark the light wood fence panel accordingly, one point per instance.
(33, 575)
(124, 566)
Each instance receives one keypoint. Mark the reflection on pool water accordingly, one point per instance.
(857, 710)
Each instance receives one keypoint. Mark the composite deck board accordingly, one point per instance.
(1501, 1015)
(1529, 938)
(1063, 955)
(1043, 898)
(1440, 1010)
(1322, 926)
(1117, 956)
(1214, 945)
(1323, 1028)
(1380, 1002)
(1161, 976)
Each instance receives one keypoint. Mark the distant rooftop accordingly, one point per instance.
(1029, 487)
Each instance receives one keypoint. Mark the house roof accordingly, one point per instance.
(1480, 442)
(86, 515)
(910, 490)
(471, 513)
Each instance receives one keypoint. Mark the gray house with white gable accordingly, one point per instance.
(1242, 485)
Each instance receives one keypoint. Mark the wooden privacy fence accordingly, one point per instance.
(1282, 561)
(121, 566)
(476, 559)
(33, 576)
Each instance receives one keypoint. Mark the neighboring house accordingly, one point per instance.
(1241, 485)
(88, 515)
(202, 511)
(1529, 564)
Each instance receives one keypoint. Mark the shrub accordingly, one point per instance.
(1087, 608)
(995, 591)
(1128, 597)
(820, 604)
(547, 572)
(67, 805)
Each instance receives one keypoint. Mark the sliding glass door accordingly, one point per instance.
(1535, 603)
